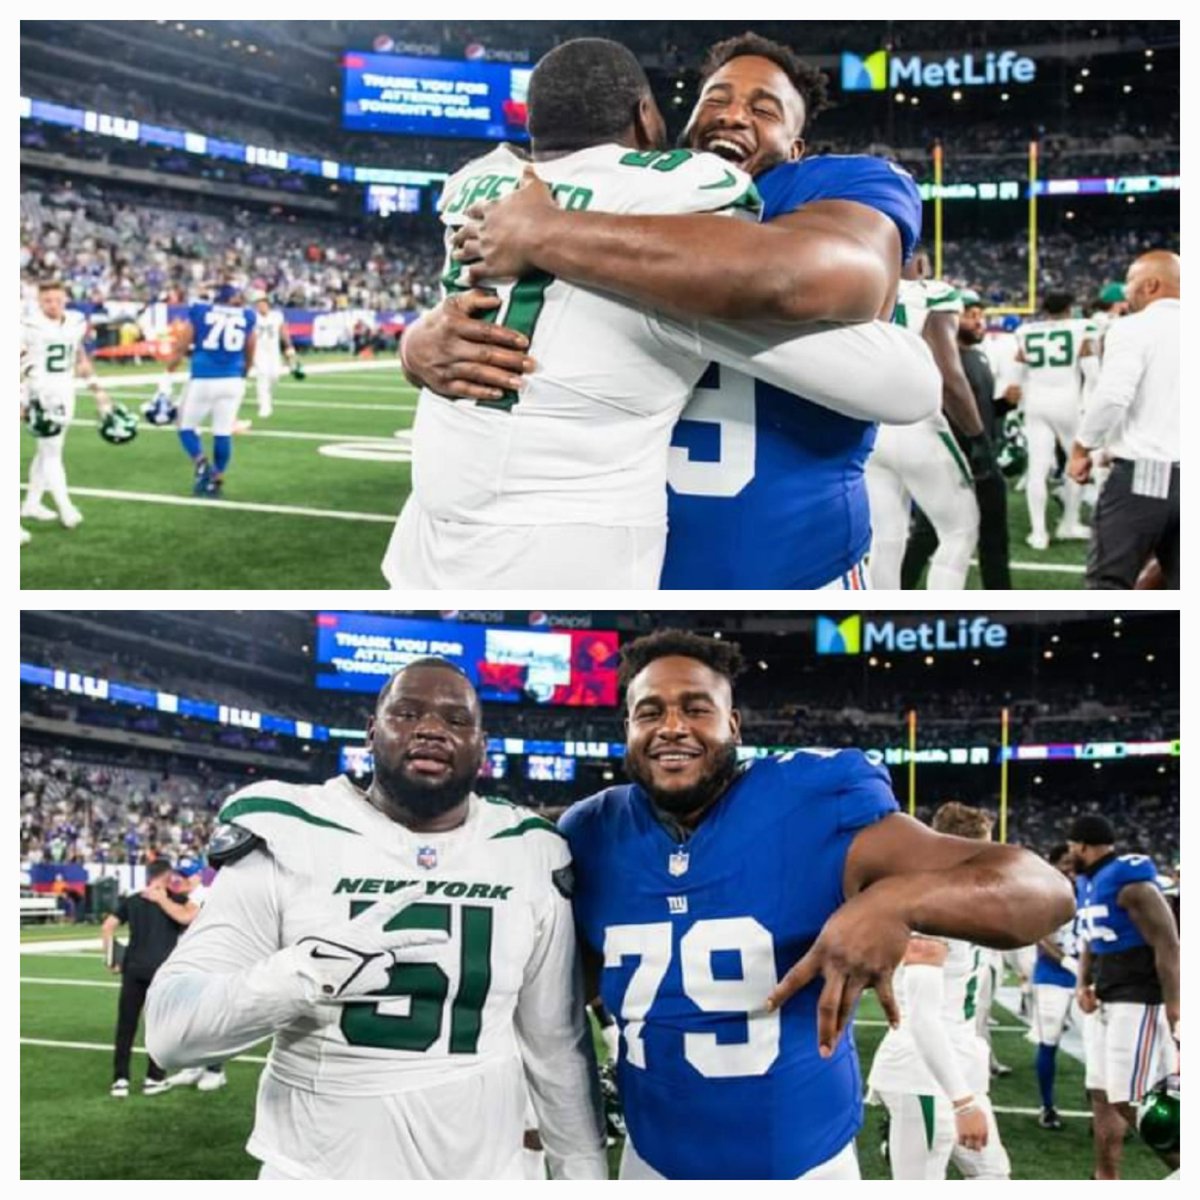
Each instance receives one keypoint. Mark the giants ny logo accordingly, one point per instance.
(867, 74)
(839, 637)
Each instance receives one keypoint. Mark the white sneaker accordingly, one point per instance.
(38, 512)
(1079, 532)
(186, 1078)
(71, 517)
(155, 1087)
(119, 1089)
(26, 536)
(264, 411)
(1038, 541)
(211, 1080)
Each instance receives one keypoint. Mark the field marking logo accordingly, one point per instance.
(839, 637)
(864, 74)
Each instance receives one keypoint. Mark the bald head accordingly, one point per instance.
(1153, 276)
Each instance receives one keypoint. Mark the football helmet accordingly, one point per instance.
(118, 425)
(41, 423)
(1158, 1116)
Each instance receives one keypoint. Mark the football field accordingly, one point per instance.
(72, 1129)
(310, 496)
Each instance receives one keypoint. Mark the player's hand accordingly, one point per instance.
(1079, 465)
(860, 946)
(103, 401)
(350, 959)
(501, 238)
(970, 1129)
(1172, 1011)
(1012, 394)
(455, 353)
(1085, 997)
(981, 458)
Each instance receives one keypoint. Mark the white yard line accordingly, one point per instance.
(285, 510)
(59, 946)
(102, 983)
(27, 1041)
(276, 433)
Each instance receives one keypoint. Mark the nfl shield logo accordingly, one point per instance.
(427, 857)
(677, 864)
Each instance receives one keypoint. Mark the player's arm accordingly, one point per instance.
(1120, 374)
(958, 400)
(872, 371)
(1085, 990)
(181, 345)
(902, 878)
(108, 931)
(1053, 951)
(181, 914)
(1150, 912)
(251, 344)
(556, 1047)
(924, 979)
(1089, 365)
(832, 260)
(86, 370)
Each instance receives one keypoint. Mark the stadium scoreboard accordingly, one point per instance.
(434, 97)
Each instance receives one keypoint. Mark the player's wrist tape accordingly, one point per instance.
(969, 1106)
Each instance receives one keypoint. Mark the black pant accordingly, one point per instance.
(992, 495)
(135, 983)
(1127, 530)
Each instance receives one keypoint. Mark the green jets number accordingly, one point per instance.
(427, 987)
(1060, 352)
(658, 160)
(58, 358)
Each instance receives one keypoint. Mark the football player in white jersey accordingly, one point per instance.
(1060, 363)
(273, 346)
(564, 482)
(411, 949)
(931, 1071)
(52, 354)
(922, 464)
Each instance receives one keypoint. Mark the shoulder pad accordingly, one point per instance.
(229, 843)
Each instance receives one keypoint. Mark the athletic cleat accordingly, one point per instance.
(119, 1089)
(1073, 533)
(202, 480)
(188, 1077)
(38, 512)
(155, 1087)
(1038, 541)
(71, 518)
(211, 1080)
(1000, 1069)
(1048, 1118)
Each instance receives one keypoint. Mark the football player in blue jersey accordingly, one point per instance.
(767, 489)
(1055, 974)
(1128, 981)
(736, 911)
(220, 337)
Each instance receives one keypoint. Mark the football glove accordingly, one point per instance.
(979, 455)
(351, 959)
(41, 423)
(614, 1111)
(118, 425)
(1013, 453)
(162, 410)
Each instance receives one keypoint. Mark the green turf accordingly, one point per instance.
(72, 1129)
(51, 933)
(131, 543)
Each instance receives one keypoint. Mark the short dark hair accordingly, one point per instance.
(1056, 852)
(51, 285)
(1092, 829)
(431, 660)
(584, 93)
(723, 657)
(805, 78)
(1057, 302)
(160, 866)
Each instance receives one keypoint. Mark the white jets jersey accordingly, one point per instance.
(917, 298)
(460, 1024)
(49, 350)
(898, 1064)
(268, 332)
(1051, 351)
(586, 439)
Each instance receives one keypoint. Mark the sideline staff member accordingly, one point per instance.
(1134, 416)
(155, 918)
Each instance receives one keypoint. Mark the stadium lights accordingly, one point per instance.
(1047, 653)
(1127, 88)
(762, 666)
(873, 661)
(1055, 639)
(1078, 88)
(1149, 66)
(1149, 657)
(929, 660)
(1116, 633)
(899, 97)
(1070, 216)
(1085, 72)
(1037, 779)
(975, 662)
(679, 85)
(1003, 95)
(1095, 654)
(956, 95)
(1149, 53)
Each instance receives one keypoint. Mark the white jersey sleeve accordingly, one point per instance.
(556, 1045)
(840, 367)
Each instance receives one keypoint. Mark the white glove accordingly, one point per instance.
(1070, 964)
(351, 959)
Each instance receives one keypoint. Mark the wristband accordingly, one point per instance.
(969, 1107)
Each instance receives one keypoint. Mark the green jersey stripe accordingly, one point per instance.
(528, 826)
(956, 454)
(282, 808)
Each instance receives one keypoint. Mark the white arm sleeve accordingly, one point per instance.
(556, 1046)
(1089, 367)
(872, 372)
(924, 1015)
(1120, 374)
(225, 988)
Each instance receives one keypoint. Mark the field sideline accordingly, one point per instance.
(72, 1129)
(310, 497)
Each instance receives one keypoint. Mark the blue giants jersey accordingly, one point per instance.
(219, 333)
(767, 489)
(1103, 923)
(695, 936)
(1046, 970)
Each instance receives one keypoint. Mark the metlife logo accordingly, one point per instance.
(856, 635)
(878, 72)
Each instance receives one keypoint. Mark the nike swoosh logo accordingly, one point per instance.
(315, 953)
(730, 178)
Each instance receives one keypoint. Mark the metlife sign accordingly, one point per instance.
(858, 635)
(880, 71)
